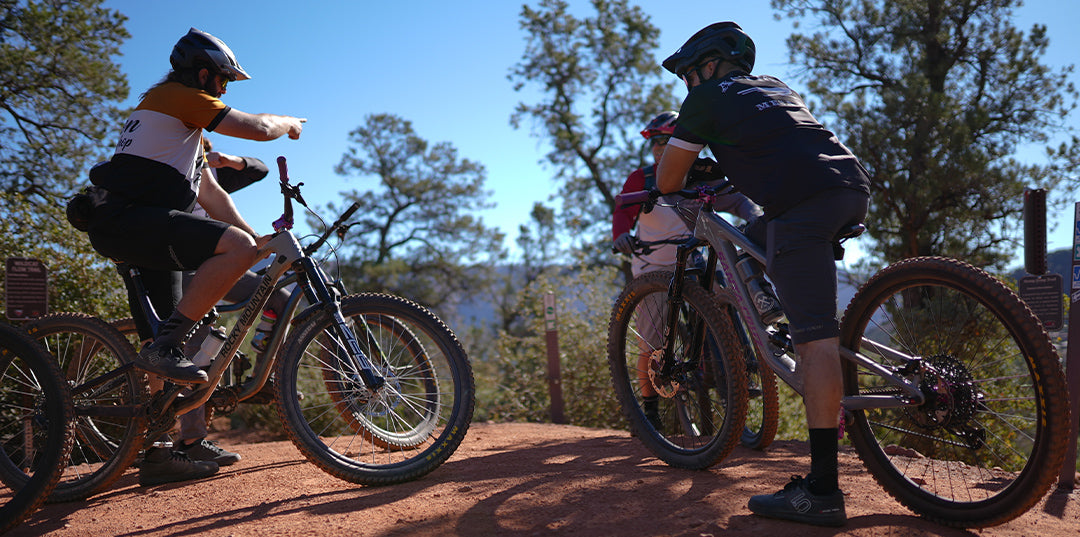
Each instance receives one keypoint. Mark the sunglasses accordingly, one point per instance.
(659, 139)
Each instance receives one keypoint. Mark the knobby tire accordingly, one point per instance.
(990, 439)
(411, 426)
(702, 408)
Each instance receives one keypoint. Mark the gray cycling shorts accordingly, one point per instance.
(800, 261)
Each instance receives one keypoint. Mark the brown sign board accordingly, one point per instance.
(26, 288)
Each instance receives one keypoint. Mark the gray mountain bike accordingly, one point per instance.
(954, 397)
(372, 388)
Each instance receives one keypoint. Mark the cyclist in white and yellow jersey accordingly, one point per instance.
(153, 181)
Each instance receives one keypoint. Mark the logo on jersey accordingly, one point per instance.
(125, 140)
(776, 96)
(771, 92)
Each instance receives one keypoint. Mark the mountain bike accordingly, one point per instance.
(35, 425)
(694, 445)
(954, 398)
(372, 388)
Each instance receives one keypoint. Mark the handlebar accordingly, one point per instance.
(290, 193)
(633, 198)
(338, 225)
(700, 191)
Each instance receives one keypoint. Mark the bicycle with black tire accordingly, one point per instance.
(954, 397)
(35, 425)
(693, 443)
(372, 388)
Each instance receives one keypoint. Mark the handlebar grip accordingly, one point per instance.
(283, 169)
(349, 212)
(631, 198)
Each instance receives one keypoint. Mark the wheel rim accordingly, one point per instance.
(975, 434)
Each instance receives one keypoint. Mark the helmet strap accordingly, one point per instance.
(699, 68)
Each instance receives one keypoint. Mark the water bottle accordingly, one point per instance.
(761, 293)
(262, 331)
(210, 347)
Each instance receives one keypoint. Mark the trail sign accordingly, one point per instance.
(1043, 294)
(26, 289)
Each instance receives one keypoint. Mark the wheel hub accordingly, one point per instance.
(378, 403)
(665, 387)
(951, 398)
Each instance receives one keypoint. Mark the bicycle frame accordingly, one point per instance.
(723, 239)
(315, 286)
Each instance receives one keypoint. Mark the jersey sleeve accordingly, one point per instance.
(691, 127)
(193, 107)
(624, 218)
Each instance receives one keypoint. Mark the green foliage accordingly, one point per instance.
(514, 385)
(935, 97)
(58, 86)
(80, 279)
(416, 235)
(601, 84)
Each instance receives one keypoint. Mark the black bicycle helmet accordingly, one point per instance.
(725, 40)
(199, 48)
(661, 124)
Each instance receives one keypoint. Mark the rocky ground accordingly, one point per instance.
(506, 479)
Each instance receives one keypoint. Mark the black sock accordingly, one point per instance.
(174, 330)
(650, 403)
(824, 473)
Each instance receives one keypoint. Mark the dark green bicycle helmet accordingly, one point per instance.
(725, 40)
(198, 48)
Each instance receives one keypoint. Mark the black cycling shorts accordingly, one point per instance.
(800, 258)
(157, 238)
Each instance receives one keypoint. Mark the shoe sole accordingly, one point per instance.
(805, 519)
(831, 520)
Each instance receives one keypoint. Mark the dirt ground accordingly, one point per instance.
(506, 479)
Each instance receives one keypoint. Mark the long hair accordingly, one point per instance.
(187, 77)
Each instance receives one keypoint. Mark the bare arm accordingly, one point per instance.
(217, 159)
(219, 205)
(259, 127)
(672, 168)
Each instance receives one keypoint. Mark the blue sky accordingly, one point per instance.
(441, 65)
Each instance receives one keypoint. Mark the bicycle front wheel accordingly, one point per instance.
(763, 405)
(108, 430)
(693, 416)
(407, 427)
(35, 425)
(988, 441)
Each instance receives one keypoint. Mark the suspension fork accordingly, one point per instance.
(315, 283)
(675, 304)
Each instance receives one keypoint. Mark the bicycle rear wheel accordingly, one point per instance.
(407, 428)
(35, 425)
(106, 441)
(701, 407)
(987, 443)
(763, 405)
